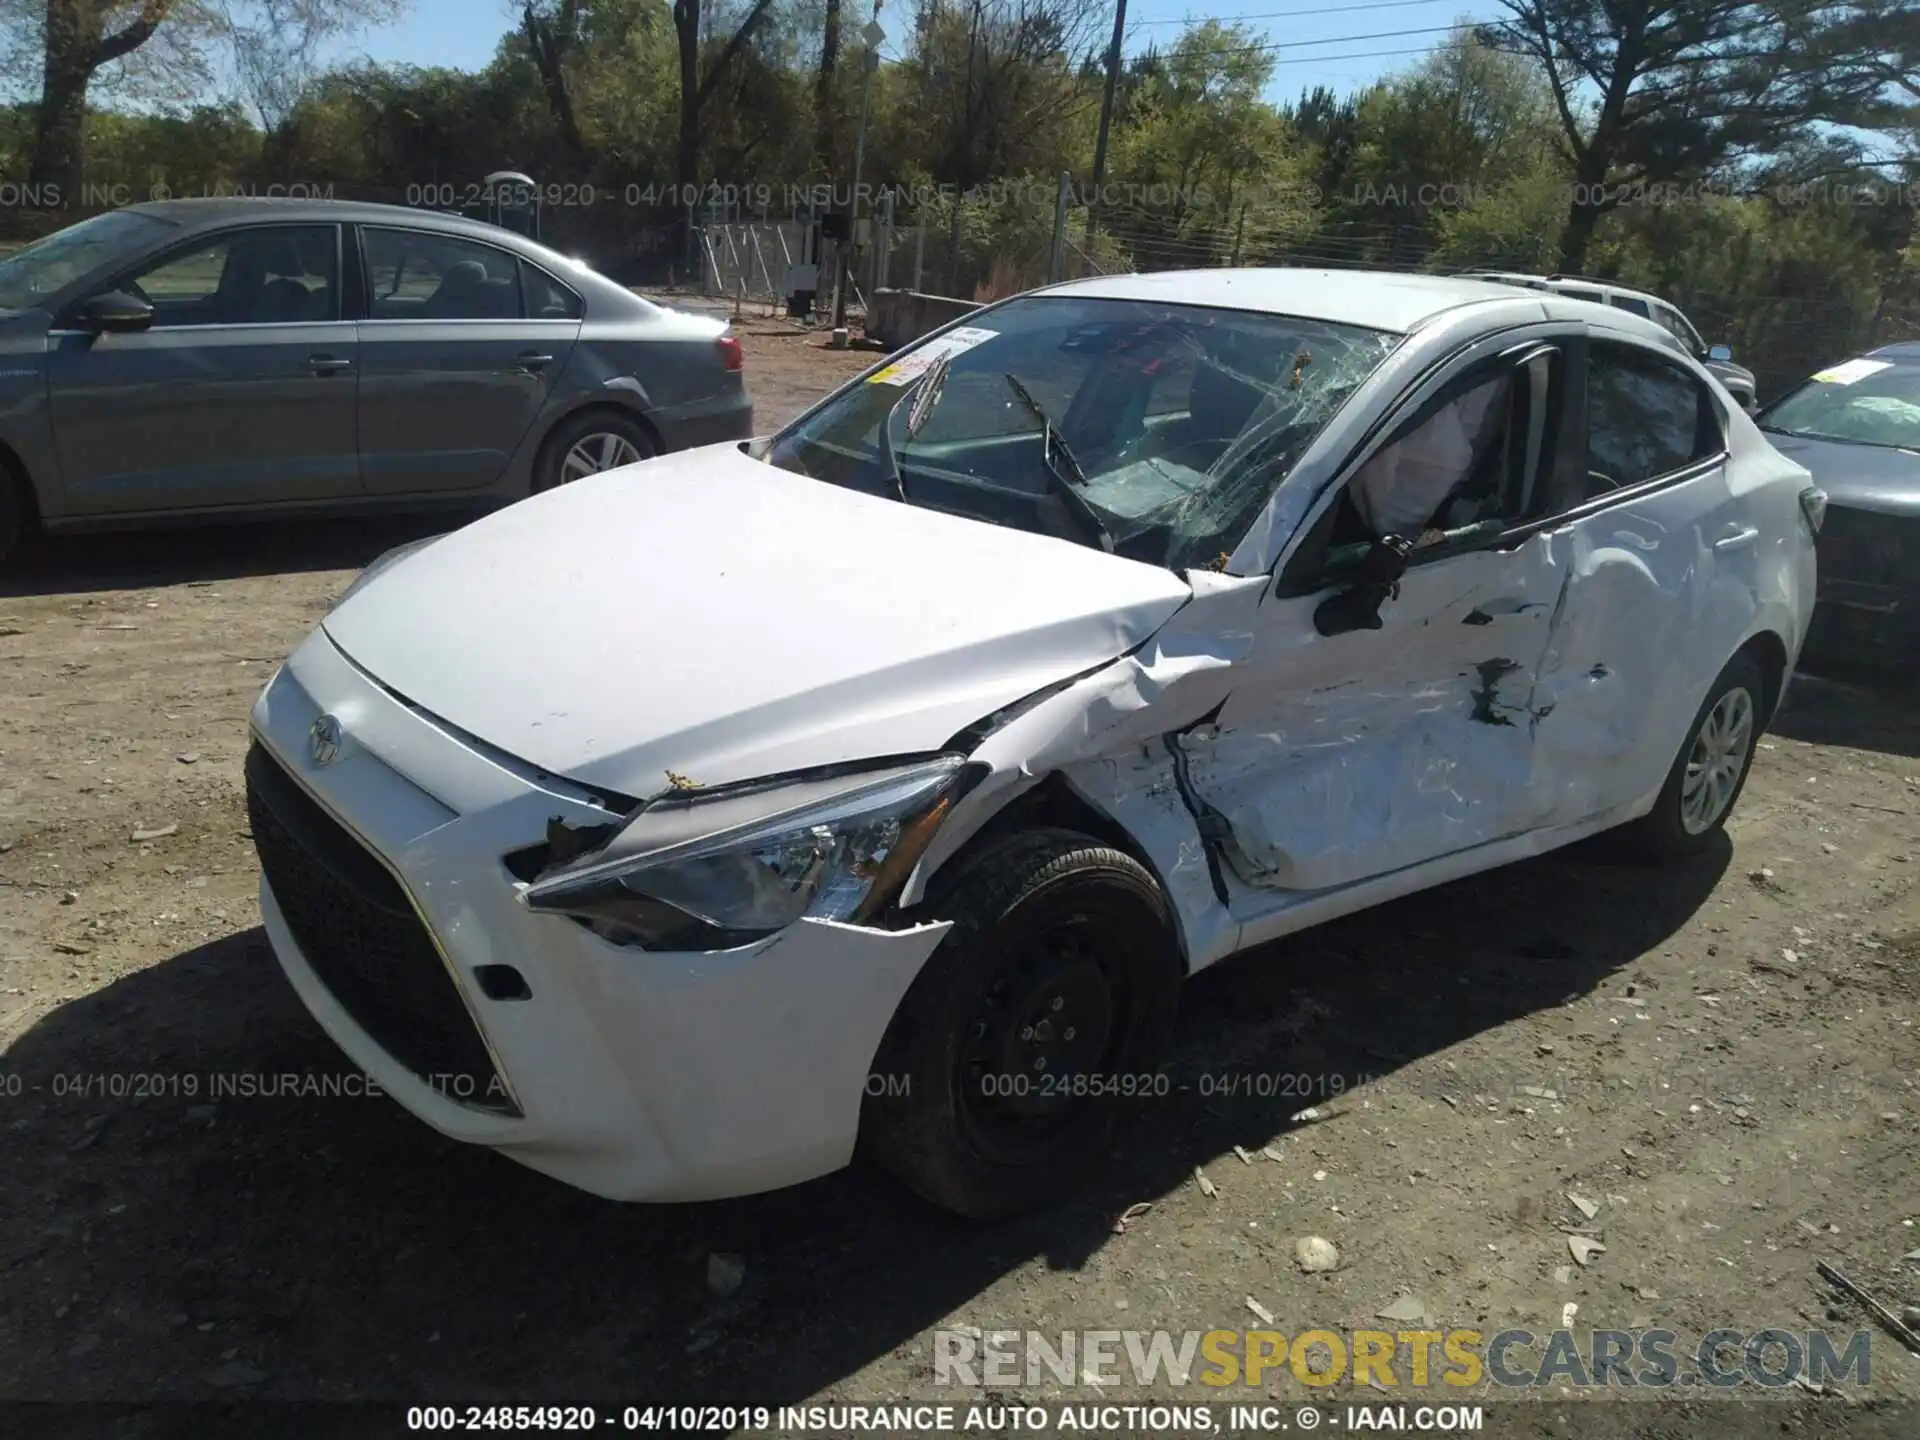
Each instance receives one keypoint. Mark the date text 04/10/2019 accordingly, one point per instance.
(904, 1420)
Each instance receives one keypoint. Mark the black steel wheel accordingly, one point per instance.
(1031, 1029)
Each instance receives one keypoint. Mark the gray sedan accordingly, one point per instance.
(241, 357)
(1856, 426)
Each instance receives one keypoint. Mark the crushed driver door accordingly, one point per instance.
(1346, 756)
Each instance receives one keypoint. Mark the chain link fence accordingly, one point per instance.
(985, 245)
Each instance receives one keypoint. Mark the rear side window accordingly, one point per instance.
(1645, 418)
(1575, 294)
(546, 297)
(421, 275)
(1632, 304)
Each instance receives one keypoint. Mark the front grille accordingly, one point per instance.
(361, 936)
(1866, 558)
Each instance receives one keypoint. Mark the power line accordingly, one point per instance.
(1302, 59)
(1295, 14)
(1374, 35)
(1269, 47)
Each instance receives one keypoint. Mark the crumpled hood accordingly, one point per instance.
(708, 615)
(1860, 477)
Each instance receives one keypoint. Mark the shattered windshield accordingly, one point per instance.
(1863, 402)
(1157, 431)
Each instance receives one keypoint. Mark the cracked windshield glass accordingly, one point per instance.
(1864, 402)
(1155, 431)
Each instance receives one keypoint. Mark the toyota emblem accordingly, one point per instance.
(323, 740)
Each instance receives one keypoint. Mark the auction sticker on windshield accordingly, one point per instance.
(911, 367)
(1852, 372)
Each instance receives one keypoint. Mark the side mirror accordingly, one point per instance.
(114, 312)
(1721, 353)
(1376, 580)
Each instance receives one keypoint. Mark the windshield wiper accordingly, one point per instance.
(923, 394)
(1063, 471)
(1839, 439)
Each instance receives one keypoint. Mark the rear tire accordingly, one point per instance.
(589, 443)
(1711, 769)
(1061, 963)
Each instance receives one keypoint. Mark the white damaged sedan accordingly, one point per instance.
(880, 782)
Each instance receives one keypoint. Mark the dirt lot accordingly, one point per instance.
(1720, 1058)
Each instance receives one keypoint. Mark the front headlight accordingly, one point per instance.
(711, 873)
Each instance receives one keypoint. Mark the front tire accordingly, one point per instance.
(589, 443)
(1711, 769)
(1039, 1018)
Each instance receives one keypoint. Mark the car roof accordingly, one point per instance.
(1378, 300)
(202, 214)
(1561, 283)
(199, 215)
(1905, 351)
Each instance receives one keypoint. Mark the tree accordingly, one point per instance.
(272, 44)
(823, 116)
(81, 37)
(998, 88)
(552, 31)
(1220, 174)
(276, 45)
(1459, 126)
(696, 88)
(1654, 91)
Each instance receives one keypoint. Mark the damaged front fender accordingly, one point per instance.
(1105, 736)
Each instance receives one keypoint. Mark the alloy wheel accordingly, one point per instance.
(591, 454)
(1717, 761)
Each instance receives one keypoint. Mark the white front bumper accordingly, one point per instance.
(639, 1076)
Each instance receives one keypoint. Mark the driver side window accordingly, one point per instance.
(283, 274)
(1464, 467)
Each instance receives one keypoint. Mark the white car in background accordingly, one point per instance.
(882, 781)
(1680, 330)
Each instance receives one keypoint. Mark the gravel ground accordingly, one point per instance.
(1718, 1059)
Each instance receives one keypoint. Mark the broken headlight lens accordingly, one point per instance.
(697, 874)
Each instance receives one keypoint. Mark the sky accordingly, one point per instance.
(1343, 44)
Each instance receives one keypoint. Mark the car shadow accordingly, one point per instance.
(143, 559)
(1880, 713)
(304, 1239)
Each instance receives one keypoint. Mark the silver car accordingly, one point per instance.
(1718, 359)
(243, 357)
(1115, 629)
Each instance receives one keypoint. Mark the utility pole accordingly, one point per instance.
(874, 36)
(1057, 258)
(1106, 115)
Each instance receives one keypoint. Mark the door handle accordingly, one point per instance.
(1738, 540)
(532, 360)
(327, 364)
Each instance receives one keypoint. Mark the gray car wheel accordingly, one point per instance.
(589, 444)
